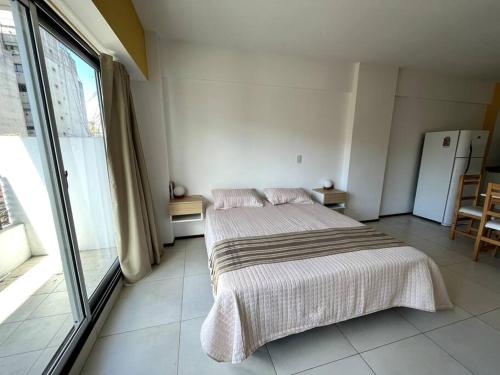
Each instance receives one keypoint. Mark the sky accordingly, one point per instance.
(86, 74)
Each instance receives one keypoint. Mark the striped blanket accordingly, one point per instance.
(233, 254)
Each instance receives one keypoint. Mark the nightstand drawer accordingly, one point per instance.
(186, 206)
(327, 197)
(339, 197)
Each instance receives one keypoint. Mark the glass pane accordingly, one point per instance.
(36, 312)
(75, 98)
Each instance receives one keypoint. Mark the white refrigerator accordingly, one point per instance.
(445, 157)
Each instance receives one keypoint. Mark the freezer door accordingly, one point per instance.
(436, 168)
(458, 170)
(477, 138)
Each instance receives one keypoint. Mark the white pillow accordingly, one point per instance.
(287, 195)
(233, 198)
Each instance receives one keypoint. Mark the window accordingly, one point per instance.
(46, 162)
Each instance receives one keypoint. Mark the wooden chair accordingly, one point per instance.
(489, 228)
(464, 212)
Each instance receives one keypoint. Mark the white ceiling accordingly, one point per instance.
(450, 36)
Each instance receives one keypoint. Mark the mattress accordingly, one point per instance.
(261, 303)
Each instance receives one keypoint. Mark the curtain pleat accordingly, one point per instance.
(138, 246)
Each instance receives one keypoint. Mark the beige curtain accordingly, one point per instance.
(138, 245)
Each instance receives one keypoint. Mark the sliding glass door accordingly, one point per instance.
(57, 242)
(75, 101)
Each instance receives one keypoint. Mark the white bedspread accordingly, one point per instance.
(258, 304)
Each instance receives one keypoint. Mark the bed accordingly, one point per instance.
(263, 302)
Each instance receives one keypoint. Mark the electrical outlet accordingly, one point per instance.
(299, 159)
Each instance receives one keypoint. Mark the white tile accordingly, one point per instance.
(42, 361)
(34, 334)
(56, 303)
(486, 258)
(196, 262)
(309, 349)
(23, 311)
(193, 361)
(197, 299)
(368, 332)
(492, 318)
(61, 334)
(473, 343)
(470, 296)
(349, 366)
(145, 351)
(171, 265)
(6, 329)
(145, 305)
(425, 321)
(61, 287)
(460, 245)
(197, 243)
(483, 274)
(50, 285)
(413, 356)
(440, 254)
(18, 364)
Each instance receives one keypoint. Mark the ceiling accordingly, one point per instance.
(459, 37)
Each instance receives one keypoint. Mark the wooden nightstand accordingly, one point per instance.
(334, 199)
(188, 208)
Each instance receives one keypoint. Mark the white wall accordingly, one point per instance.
(426, 102)
(14, 248)
(238, 119)
(371, 124)
(28, 199)
(149, 106)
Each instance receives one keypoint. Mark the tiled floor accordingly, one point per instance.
(154, 327)
(32, 330)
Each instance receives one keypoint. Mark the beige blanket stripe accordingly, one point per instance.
(233, 254)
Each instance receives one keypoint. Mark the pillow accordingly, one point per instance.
(287, 195)
(233, 198)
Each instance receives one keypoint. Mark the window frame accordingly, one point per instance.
(34, 14)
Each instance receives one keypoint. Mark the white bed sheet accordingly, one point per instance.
(258, 304)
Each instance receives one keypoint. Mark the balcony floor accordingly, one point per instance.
(35, 310)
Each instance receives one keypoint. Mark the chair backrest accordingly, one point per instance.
(492, 199)
(473, 183)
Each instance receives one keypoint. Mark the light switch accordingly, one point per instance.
(299, 159)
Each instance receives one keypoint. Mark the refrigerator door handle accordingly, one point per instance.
(468, 159)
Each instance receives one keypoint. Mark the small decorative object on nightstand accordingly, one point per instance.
(328, 185)
(179, 191)
(331, 198)
(187, 208)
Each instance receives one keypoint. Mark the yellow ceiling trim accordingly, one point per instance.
(123, 19)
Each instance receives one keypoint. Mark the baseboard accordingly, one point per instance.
(170, 244)
(400, 214)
